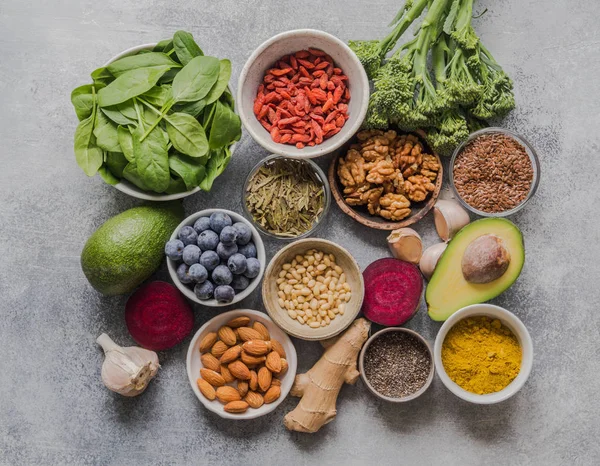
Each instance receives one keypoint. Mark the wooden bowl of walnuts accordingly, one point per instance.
(386, 179)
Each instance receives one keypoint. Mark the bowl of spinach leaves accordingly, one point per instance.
(158, 121)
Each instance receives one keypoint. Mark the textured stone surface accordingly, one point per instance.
(53, 408)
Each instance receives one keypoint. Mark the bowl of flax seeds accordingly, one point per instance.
(494, 173)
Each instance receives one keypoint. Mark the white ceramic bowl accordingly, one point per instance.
(260, 253)
(193, 363)
(284, 44)
(129, 188)
(514, 324)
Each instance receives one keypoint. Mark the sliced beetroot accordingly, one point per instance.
(158, 316)
(393, 290)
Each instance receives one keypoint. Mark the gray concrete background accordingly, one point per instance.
(53, 407)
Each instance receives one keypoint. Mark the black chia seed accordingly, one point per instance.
(397, 364)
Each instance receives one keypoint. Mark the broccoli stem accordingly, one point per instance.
(403, 23)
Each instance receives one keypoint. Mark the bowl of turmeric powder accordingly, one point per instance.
(483, 354)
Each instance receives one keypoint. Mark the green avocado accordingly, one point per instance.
(129, 247)
(448, 291)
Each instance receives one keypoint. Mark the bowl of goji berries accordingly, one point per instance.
(303, 93)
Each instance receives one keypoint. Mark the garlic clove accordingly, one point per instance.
(430, 258)
(449, 217)
(127, 371)
(405, 244)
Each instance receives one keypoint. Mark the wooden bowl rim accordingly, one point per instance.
(362, 218)
(279, 316)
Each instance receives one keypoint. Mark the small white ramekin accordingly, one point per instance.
(514, 324)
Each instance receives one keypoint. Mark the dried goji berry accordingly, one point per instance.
(302, 54)
(280, 72)
(293, 62)
(285, 138)
(316, 52)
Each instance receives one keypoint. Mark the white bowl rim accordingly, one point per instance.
(361, 360)
(125, 186)
(510, 320)
(260, 253)
(347, 132)
(291, 357)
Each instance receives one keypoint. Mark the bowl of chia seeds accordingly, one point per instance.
(494, 173)
(396, 364)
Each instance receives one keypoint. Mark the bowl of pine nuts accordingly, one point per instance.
(313, 289)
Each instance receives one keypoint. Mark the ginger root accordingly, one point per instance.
(320, 386)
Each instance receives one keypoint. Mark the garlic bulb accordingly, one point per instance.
(127, 371)
(430, 258)
(405, 244)
(449, 217)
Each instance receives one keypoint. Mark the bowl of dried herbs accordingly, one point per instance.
(286, 198)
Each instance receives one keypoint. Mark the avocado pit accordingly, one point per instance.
(485, 259)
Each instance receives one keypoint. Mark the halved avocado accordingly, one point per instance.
(448, 291)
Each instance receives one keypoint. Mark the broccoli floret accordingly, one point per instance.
(463, 33)
(450, 130)
(461, 85)
(369, 53)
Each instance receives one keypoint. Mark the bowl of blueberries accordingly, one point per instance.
(215, 257)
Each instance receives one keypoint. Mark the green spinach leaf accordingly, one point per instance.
(126, 143)
(164, 46)
(82, 99)
(158, 95)
(194, 80)
(226, 127)
(222, 82)
(117, 117)
(107, 175)
(105, 132)
(145, 60)
(87, 154)
(116, 163)
(101, 73)
(227, 99)
(191, 108)
(130, 84)
(189, 169)
(185, 47)
(131, 174)
(176, 185)
(186, 134)
(217, 163)
(152, 159)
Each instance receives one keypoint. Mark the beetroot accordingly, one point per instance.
(393, 290)
(158, 317)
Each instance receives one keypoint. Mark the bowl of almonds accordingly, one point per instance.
(241, 365)
(386, 179)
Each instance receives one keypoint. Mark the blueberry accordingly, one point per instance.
(228, 235)
(219, 220)
(208, 240)
(244, 233)
(191, 254)
(198, 273)
(174, 249)
(237, 263)
(248, 250)
(225, 251)
(240, 282)
(224, 294)
(209, 259)
(183, 274)
(204, 290)
(202, 224)
(252, 268)
(222, 275)
(188, 235)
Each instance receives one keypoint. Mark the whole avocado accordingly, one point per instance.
(129, 247)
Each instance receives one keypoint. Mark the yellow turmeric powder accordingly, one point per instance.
(481, 355)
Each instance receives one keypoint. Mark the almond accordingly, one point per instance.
(238, 322)
(237, 334)
(239, 370)
(227, 335)
(250, 360)
(218, 349)
(253, 383)
(254, 399)
(231, 354)
(275, 382)
(284, 366)
(206, 389)
(242, 387)
(264, 378)
(260, 328)
(272, 394)
(247, 334)
(278, 347)
(212, 377)
(257, 347)
(227, 374)
(210, 362)
(273, 362)
(228, 393)
(207, 341)
(236, 407)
